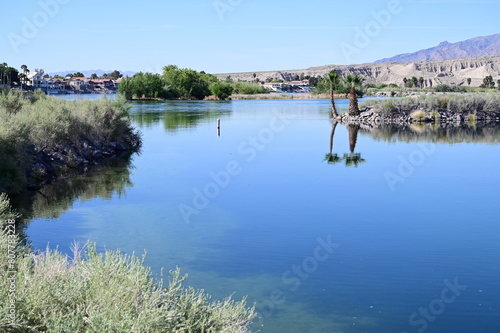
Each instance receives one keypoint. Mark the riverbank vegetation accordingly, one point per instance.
(183, 83)
(92, 292)
(465, 104)
(35, 129)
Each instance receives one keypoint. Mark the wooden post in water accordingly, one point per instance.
(218, 127)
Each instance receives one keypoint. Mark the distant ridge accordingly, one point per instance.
(88, 73)
(470, 48)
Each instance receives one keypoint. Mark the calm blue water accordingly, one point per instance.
(406, 241)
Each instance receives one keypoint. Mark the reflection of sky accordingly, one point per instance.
(396, 247)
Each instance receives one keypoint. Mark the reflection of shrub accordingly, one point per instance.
(110, 292)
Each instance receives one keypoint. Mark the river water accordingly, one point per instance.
(383, 230)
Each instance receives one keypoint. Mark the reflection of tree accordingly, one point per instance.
(103, 181)
(351, 159)
(330, 157)
(444, 133)
(178, 114)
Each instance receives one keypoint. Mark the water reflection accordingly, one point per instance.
(418, 132)
(436, 132)
(351, 159)
(104, 181)
(177, 115)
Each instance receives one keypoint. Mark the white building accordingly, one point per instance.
(36, 80)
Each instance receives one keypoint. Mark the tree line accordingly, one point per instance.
(183, 83)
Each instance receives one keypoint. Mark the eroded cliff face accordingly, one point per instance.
(455, 71)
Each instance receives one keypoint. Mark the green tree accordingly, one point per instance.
(405, 80)
(488, 82)
(332, 81)
(187, 83)
(221, 90)
(414, 80)
(115, 75)
(421, 82)
(313, 81)
(78, 74)
(353, 82)
(142, 85)
(469, 80)
(94, 76)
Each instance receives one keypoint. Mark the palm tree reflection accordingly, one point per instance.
(350, 159)
(353, 159)
(330, 157)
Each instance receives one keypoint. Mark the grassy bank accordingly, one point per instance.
(38, 127)
(93, 292)
(464, 104)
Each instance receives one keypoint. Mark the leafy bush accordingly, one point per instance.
(247, 88)
(447, 88)
(221, 90)
(456, 103)
(418, 115)
(109, 292)
(49, 122)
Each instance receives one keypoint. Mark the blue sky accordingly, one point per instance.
(221, 36)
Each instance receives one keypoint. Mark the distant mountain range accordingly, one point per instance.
(88, 73)
(470, 48)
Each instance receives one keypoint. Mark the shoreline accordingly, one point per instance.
(52, 164)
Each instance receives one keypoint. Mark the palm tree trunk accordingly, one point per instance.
(332, 100)
(353, 103)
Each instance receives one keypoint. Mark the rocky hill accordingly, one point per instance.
(475, 47)
(455, 71)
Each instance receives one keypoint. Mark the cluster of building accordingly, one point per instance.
(69, 85)
(288, 86)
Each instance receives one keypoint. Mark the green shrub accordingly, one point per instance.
(247, 88)
(221, 90)
(418, 115)
(456, 103)
(109, 292)
(43, 122)
(448, 88)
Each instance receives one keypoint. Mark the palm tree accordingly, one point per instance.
(24, 75)
(353, 81)
(415, 81)
(421, 82)
(330, 157)
(333, 81)
(469, 80)
(405, 80)
(3, 67)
